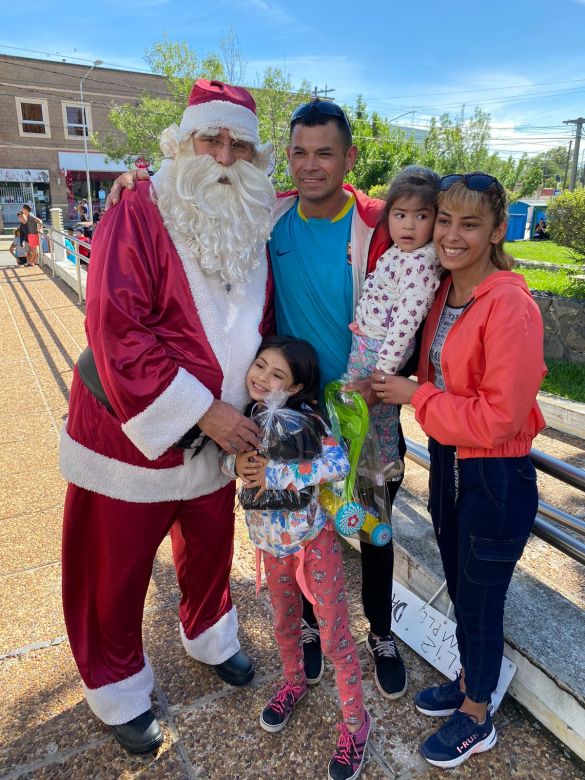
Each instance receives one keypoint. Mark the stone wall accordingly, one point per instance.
(564, 326)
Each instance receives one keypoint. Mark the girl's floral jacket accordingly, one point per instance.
(282, 532)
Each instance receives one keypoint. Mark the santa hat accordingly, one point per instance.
(213, 105)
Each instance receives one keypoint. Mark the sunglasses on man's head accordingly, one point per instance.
(480, 182)
(322, 107)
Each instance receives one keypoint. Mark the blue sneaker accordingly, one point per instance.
(460, 737)
(441, 700)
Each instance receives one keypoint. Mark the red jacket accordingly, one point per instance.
(167, 339)
(492, 362)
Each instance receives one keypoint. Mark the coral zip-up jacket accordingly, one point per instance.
(493, 365)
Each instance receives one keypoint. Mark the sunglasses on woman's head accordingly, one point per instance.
(322, 107)
(480, 182)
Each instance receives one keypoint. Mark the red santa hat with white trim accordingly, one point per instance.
(213, 105)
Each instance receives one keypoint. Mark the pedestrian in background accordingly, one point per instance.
(34, 224)
(17, 250)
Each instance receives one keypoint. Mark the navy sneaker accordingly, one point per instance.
(349, 755)
(390, 674)
(458, 739)
(312, 656)
(275, 715)
(441, 700)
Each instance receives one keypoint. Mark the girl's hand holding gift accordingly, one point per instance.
(259, 479)
(393, 389)
(249, 466)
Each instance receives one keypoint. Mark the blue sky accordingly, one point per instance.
(521, 60)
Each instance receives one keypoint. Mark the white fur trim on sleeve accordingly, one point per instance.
(122, 701)
(169, 416)
(218, 643)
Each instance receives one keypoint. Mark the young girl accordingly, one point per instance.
(480, 369)
(17, 250)
(302, 554)
(397, 297)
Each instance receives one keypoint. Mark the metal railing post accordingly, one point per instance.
(78, 271)
(56, 224)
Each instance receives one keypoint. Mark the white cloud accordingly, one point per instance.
(271, 12)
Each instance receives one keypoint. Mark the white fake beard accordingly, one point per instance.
(226, 225)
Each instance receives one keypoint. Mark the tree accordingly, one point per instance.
(180, 66)
(140, 124)
(566, 219)
(383, 148)
(553, 163)
(234, 64)
(457, 145)
(275, 99)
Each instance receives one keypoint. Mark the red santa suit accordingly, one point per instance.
(168, 339)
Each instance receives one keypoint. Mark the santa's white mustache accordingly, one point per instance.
(226, 225)
(197, 174)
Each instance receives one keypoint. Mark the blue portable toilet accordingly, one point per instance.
(517, 216)
(523, 216)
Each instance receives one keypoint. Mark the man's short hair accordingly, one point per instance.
(321, 112)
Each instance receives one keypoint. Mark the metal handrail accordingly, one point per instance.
(571, 475)
(542, 528)
(58, 237)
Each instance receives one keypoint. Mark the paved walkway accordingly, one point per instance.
(211, 730)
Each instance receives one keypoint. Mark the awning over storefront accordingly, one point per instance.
(75, 161)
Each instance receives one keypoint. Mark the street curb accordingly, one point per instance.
(563, 414)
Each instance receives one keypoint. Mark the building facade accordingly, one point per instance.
(44, 125)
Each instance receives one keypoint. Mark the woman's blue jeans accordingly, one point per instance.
(482, 519)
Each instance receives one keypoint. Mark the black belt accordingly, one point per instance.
(194, 439)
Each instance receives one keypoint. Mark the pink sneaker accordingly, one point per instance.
(279, 709)
(348, 758)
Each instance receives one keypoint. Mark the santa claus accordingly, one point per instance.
(176, 308)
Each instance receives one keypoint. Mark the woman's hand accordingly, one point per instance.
(391, 389)
(364, 388)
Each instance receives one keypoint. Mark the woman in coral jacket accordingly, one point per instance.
(480, 370)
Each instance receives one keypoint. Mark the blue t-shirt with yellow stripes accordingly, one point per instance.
(311, 263)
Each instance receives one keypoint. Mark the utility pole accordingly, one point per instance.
(567, 163)
(579, 124)
(324, 93)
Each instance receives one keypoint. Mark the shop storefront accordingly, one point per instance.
(102, 173)
(24, 185)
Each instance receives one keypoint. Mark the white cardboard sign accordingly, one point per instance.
(432, 636)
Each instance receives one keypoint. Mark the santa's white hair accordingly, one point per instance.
(223, 212)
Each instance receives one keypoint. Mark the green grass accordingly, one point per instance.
(556, 282)
(542, 252)
(565, 379)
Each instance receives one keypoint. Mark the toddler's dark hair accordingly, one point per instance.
(303, 362)
(414, 181)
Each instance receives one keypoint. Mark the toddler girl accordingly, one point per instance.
(397, 297)
(17, 250)
(301, 552)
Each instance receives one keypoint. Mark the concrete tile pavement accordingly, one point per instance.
(211, 729)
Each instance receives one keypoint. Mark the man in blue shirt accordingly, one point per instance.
(326, 239)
